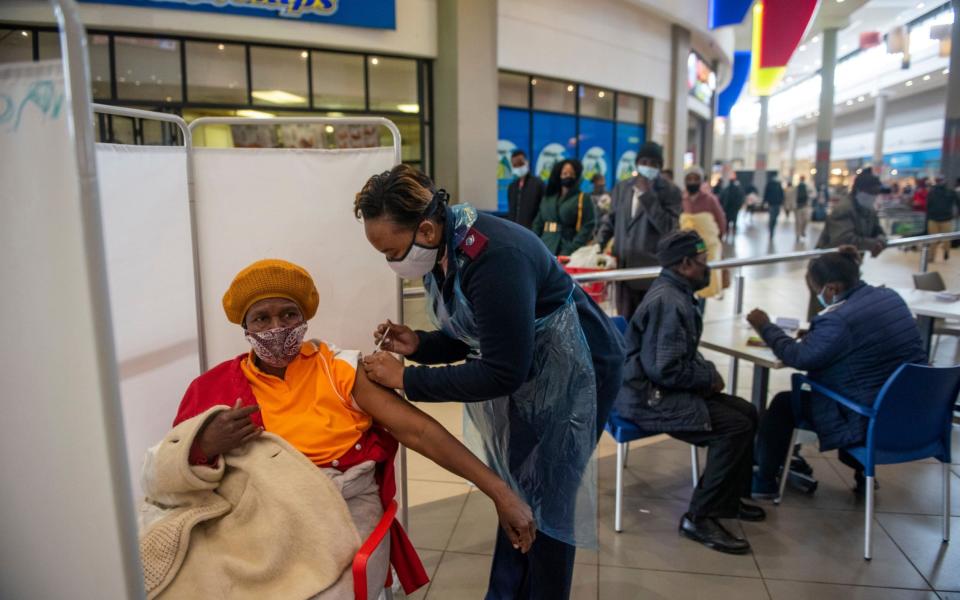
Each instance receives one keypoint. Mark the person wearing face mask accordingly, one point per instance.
(669, 387)
(525, 192)
(536, 362)
(702, 213)
(644, 209)
(318, 400)
(566, 219)
(862, 335)
(853, 221)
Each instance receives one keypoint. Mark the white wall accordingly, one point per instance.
(607, 43)
(415, 35)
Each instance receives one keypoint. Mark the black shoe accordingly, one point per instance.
(712, 534)
(750, 512)
(800, 465)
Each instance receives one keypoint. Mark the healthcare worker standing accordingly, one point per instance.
(542, 363)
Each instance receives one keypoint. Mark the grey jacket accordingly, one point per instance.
(850, 223)
(665, 378)
(635, 238)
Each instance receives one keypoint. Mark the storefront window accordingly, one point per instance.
(49, 43)
(216, 73)
(596, 102)
(554, 96)
(393, 84)
(338, 81)
(630, 108)
(514, 90)
(148, 69)
(16, 45)
(279, 76)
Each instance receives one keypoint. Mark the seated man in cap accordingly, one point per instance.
(314, 397)
(670, 387)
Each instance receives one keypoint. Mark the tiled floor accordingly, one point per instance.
(809, 548)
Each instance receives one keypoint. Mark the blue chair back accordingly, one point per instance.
(914, 412)
(620, 323)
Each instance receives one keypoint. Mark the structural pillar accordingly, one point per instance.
(763, 142)
(950, 161)
(679, 115)
(465, 101)
(728, 139)
(879, 126)
(825, 122)
(792, 150)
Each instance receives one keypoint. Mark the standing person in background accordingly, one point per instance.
(525, 193)
(942, 206)
(668, 175)
(853, 221)
(730, 194)
(702, 213)
(566, 220)
(803, 209)
(773, 198)
(645, 208)
(600, 197)
(920, 196)
(789, 199)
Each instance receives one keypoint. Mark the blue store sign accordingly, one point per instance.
(378, 14)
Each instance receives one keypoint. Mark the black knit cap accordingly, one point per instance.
(678, 245)
(651, 150)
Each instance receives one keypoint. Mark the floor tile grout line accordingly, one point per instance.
(443, 553)
(854, 585)
(877, 523)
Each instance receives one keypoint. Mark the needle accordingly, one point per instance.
(382, 339)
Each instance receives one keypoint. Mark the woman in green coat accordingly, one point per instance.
(566, 219)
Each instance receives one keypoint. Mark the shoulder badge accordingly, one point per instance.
(473, 244)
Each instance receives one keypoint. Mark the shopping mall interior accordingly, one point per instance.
(532, 304)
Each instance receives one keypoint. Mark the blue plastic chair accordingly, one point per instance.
(624, 432)
(910, 420)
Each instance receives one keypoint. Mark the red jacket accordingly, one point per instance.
(225, 383)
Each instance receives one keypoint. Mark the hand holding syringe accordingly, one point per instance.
(392, 337)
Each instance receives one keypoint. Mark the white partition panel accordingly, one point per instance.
(146, 223)
(65, 516)
(295, 205)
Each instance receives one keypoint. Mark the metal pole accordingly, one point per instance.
(76, 74)
(763, 137)
(733, 375)
(924, 257)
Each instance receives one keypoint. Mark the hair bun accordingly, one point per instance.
(851, 253)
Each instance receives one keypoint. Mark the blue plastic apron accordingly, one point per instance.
(540, 439)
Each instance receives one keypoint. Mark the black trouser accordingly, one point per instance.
(628, 299)
(773, 437)
(727, 476)
(546, 571)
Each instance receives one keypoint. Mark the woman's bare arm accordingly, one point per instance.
(420, 432)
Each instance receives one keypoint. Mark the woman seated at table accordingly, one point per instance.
(315, 399)
(862, 335)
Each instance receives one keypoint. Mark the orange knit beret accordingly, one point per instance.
(270, 278)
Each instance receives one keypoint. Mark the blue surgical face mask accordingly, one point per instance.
(822, 300)
(648, 172)
(521, 171)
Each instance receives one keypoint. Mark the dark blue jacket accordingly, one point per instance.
(851, 348)
(514, 281)
(666, 379)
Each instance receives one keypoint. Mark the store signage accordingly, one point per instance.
(701, 80)
(377, 14)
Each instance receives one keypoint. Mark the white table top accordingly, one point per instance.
(925, 304)
(729, 335)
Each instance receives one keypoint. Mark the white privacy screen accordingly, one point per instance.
(295, 205)
(58, 501)
(146, 223)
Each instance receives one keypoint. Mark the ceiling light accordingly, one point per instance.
(836, 171)
(815, 39)
(329, 128)
(926, 78)
(254, 114)
(802, 48)
(24, 34)
(860, 98)
(533, 82)
(601, 93)
(169, 99)
(813, 171)
(278, 97)
(374, 61)
(909, 83)
(303, 54)
(220, 46)
(849, 102)
(920, 5)
(408, 108)
(570, 88)
(839, 1)
(946, 71)
(894, 172)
